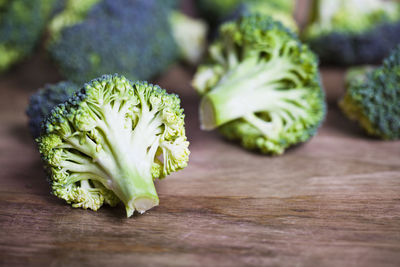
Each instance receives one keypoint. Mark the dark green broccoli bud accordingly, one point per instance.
(44, 100)
(372, 98)
(21, 25)
(110, 140)
(349, 32)
(261, 86)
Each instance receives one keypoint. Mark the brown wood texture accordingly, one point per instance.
(334, 201)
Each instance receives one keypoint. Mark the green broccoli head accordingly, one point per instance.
(350, 16)
(372, 98)
(130, 37)
(261, 86)
(214, 11)
(21, 25)
(219, 11)
(348, 32)
(109, 142)
(278, 10)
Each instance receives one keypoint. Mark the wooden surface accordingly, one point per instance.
(334, 201)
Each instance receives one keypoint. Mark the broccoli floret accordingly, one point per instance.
(190, 35)
(21, 25)
(372, 98)
(133, 37)
(349, 32)
(261, 86)
(215, 11)
(110, 140)
(44, 100)
(219, 11)
(278, 10)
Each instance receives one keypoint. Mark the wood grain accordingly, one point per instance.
(334, 201)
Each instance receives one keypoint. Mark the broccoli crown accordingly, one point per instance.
(261, 86)
(73, 12)
(110, 140)
(131, 37)
(215, 11)
(218, 11)
(44, 100)
(372, 98)
(353, 31)
(278, 10)
(21, 25)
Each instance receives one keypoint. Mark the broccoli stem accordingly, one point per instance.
(248, 88)
(124, 163)
(134, 153)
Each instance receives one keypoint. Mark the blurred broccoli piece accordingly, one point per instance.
(372, 98)
(349, 32)
(278, 10)
(357, 74)
(215, 11)
(21, 25)
(73, 12)
(219, 11)
(110, 140)
(190, 35)
(44, 100)
(133, 37)
(261, 86)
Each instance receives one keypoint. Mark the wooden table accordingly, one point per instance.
(334, 201)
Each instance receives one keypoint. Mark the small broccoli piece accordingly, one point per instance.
(190, 35)
(215, 11)
(278, 10)
(348, 32)
(372, 98)
(219, 11)
(21, 25)
(261, 86)
(110, 140)
(44, 100)
(130, 37)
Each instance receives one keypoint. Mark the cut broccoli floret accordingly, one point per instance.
(372, 98)
(21, 25)
(133, 37)
(348, 32)
(44, 100)
(110, 140)
(261, 86)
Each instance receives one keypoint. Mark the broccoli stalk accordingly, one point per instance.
(261, 86)
(109, 141)
(265, 91)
